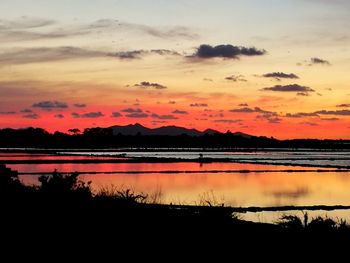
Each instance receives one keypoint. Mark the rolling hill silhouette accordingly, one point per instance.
(134, 129)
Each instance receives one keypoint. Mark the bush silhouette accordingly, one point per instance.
(61, 186)
(9, 182)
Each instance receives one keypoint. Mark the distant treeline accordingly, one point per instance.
(103, 138)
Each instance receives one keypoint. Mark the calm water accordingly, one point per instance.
(234, 184)
(316, 158)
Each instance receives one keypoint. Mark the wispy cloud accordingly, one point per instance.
(116, 114)
(26, 110)
(236, 78)
(334, 112)
(198, 105)
(314, 61)
(132, 110)
(59, 116)
(320, 61)
(49, 105)
(228, 121)
(31, 116)
(88, 115)
(318, 113)
(22, 29)
(138, 54)
(146, 84)
(271, 117)
(30, 29)
(249, 110)
(137, 115)
(280, 75)
(7, 112)
(25, 22)
(345, 105)
(164, 117)
(162, 32)
(47, 54)
(301, 115)
(79, 105)
(183, 112)
(309, 123)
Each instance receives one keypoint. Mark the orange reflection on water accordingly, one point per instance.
(238, 189)
(268, 188)
(127, 167)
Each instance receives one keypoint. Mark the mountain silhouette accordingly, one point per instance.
(134, 129)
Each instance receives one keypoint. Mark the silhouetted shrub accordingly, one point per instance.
(64, 186)
(9, 182)
(317, 224)
(290, 222)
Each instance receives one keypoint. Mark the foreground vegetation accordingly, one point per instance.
(65, 207)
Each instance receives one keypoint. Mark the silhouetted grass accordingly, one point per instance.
(65, 202)
(318, 224)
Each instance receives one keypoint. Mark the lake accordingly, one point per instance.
(229, 183)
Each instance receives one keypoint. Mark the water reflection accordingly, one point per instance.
(237, 189)
(195, 183)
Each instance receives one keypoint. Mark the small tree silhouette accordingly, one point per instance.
(59, 186)
(74, 131)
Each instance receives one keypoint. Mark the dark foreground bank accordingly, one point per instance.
(62, 213)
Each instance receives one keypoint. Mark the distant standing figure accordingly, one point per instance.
(201, 156)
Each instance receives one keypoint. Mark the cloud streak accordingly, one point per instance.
(25, 23)
(132, 110)
(164, 117)
(47, 54)
(50, 54)
(280, 75)
(138, 54)
(182, 112)
(33, 116)
(59, 116)
(22, 29)
(198, 105)
(320, 61)
(289, 88)
(88, 115)
(301, 115)
(249, 110)
(226, 51)
(7, 112)
(343, 106)
(116, 114)
(228, 121)
(48, 105)
(79, 105)
(146, 84)
(334, 112)
(137, 115)
(236, 78)
(169, 32)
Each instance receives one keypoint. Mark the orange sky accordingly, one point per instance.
(193, 64)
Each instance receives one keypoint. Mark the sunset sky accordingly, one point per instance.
(274, 68)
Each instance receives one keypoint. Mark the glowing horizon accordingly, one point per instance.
(278, 68)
